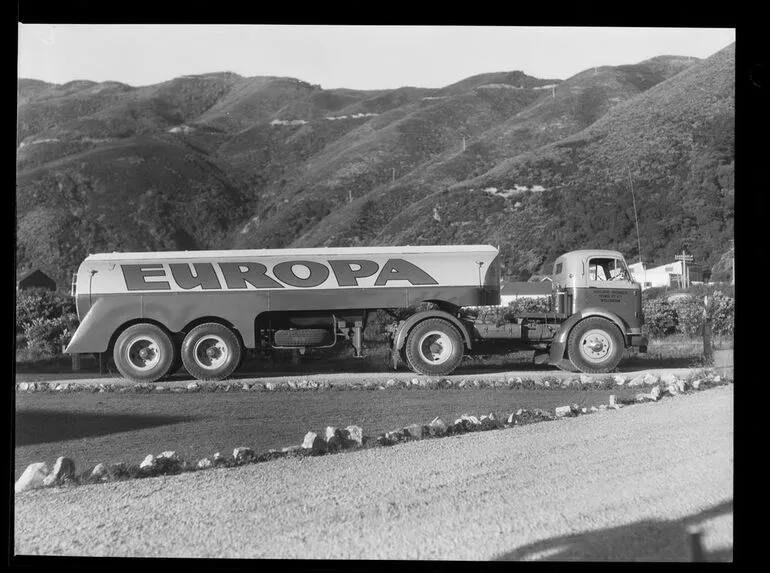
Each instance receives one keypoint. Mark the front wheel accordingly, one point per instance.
(211, 351)
(144, 353)
(565, 365)
(434, 347)
(595, 346)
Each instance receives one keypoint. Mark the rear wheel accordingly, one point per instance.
(211, 351)
(144, 353)
(595, 346)
(434, 347)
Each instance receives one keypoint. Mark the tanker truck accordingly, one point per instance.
(154, 312)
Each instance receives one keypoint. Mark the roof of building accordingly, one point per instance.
(33, 272)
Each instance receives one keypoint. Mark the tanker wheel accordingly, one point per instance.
(211, 351)
(434, 347)
(144, 353)
(595, 346)
(396, 358)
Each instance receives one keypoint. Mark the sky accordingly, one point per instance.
(356, 57)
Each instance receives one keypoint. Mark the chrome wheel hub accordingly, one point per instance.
(436, 347)
(596, 345)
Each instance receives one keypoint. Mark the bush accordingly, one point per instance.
(44, 321)
(722, 313)
(689, 312)
(523, 305)
(660, 317)
(685, 315)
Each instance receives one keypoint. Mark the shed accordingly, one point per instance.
(35, 279)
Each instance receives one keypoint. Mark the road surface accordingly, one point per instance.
(614, 485)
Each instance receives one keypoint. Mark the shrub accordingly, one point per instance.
(685, 315)
(44, 321)
(524, 305)
(660, 317)
(722, 313)
(689, 312)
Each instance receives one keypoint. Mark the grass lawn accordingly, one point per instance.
(111, 427)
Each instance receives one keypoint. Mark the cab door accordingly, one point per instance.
(609, 286)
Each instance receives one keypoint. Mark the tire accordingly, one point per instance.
(211, 351)
(565, 364)
(595, 346)
(434, 347)
(299, 337)
(144, 353)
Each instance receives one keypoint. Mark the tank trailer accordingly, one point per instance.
(155, 312)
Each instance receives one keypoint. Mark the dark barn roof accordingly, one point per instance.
(36, 278)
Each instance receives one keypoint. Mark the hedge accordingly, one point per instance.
(686, 315)
(45, 320)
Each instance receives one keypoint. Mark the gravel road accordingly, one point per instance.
(614, 485)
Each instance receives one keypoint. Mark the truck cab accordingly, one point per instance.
(595, 284)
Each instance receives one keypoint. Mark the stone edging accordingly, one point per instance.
(334, 440)
(581, 381)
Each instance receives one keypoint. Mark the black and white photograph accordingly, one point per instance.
(374, 292)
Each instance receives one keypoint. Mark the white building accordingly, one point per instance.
(668, 275)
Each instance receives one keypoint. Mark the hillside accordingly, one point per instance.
(555, 114)
(145, 193)
(388, 144)
(219, 160)
(674, 142)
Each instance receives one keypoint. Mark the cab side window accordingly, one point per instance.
(596, 270)
(607, 269)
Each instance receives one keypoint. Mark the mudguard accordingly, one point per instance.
(406, 326)
(559, 344)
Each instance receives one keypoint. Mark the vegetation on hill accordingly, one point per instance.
(144, 194)
(536, 166)
(674, 143)
(554, 115)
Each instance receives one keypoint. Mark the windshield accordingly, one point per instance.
(608, 269)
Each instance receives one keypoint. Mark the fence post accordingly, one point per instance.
(695, 536)
(708, 354)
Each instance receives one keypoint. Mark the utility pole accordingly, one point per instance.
(553, 91)
(636, 219)
(394, 175)
(463, 143)
(685, 258)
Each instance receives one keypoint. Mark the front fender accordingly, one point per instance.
(559, 343)
(406, 326)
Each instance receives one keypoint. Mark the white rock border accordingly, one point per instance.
(37, 475)
(555, 382)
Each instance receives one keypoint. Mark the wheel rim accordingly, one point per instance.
(211, 352)
(436, 347)
(143, 353)
(596, 346)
